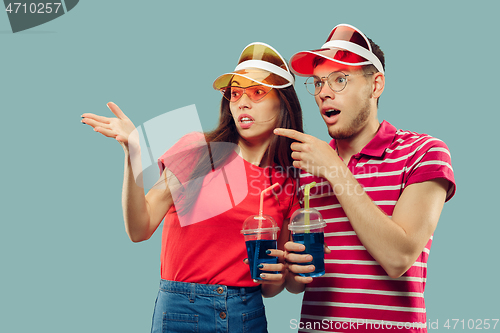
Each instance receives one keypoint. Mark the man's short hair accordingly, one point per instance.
(380, 55)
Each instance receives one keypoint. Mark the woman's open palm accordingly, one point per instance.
(118, 128)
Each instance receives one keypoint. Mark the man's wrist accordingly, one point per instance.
(336, 174)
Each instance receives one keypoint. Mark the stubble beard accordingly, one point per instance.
(355, 126)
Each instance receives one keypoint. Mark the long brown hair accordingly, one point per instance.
(278, 152)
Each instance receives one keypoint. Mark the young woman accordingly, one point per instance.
(210, 183)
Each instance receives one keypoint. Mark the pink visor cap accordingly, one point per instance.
(343, 38)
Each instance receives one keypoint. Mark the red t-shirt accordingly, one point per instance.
(205, 245)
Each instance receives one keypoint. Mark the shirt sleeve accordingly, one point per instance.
(431, 160)
(183, 156)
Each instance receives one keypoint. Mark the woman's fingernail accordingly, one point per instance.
(260, 266)
(268, 251)
(244, 259)
(263, 275)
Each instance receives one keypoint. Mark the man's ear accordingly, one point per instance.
(378, 84)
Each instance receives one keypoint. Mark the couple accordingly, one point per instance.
(380, 190)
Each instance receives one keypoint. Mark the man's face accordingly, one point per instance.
(348, 112)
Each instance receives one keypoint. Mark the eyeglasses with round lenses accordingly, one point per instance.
(337, 81)
(255, 93)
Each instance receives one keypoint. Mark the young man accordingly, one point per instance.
(380, 190)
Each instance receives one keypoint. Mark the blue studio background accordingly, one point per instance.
(67, 264)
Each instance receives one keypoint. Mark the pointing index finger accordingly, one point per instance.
(290, 133)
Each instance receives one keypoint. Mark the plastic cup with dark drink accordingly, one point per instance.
(307, 227)
(261, 233)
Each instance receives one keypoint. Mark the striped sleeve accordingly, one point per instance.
(431, 159)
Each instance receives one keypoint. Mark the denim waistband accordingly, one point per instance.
(204, 289)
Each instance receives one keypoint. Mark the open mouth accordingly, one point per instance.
(246, 120)
(332, 113)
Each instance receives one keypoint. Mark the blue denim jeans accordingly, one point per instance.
(191, 307)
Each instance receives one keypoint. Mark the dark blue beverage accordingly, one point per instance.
(314, 243)
(256, 250)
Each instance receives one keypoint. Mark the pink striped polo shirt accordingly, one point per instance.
(356, 294)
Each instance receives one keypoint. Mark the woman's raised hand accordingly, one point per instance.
(118, 128)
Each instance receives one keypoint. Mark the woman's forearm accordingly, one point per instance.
(134, 204)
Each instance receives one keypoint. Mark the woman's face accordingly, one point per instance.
(255, 121)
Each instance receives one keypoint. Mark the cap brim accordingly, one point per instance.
(259, 76)
(302, 63)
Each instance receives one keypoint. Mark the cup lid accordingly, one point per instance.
(311, 226)
(259, 224)
(298, 220)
